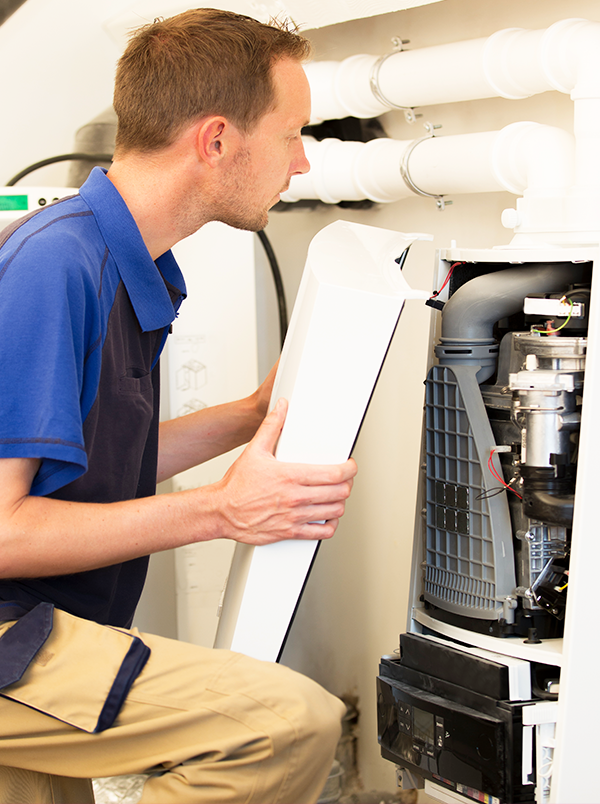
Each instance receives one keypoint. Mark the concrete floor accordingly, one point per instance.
(128, 790)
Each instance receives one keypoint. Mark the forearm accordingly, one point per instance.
(42, 537)
(259, 501)
(198, 437)
(47, 537)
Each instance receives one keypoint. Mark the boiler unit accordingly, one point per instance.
(468, 706)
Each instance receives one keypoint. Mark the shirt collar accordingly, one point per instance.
(141, 276)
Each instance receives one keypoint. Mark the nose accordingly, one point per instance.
(300, 163)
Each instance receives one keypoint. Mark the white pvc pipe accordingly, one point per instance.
(520, 158)
(512, 63)
(342, 89)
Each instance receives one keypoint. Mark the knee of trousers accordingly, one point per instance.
(315, 714)
(301, 709)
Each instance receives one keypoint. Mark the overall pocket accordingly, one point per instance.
(80, 673)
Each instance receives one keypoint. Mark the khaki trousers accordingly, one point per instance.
(213, 726)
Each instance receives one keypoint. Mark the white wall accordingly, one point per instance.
(57, 65)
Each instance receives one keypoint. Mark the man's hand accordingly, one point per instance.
(259, 501)
(264, 500)
(262, 395)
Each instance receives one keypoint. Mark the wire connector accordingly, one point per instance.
(494, 473)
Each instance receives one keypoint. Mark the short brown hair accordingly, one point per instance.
(195, 64)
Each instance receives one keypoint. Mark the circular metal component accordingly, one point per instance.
(376, 89)
(405, 172)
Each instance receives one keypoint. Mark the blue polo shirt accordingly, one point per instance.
(84, 314)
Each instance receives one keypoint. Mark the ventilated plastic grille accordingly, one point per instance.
(459, 551)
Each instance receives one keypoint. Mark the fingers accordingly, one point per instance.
(265, 500)
(312, 497)
(305, 474)
(331, 475)
(318, 531)
(265, 389)
(269, 431)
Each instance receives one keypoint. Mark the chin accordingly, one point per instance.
(253, 225)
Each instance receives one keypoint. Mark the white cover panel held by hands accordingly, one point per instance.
(348, 304)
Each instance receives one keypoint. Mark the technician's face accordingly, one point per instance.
(272, 153)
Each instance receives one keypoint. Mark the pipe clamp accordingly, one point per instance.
(409, 111)
(405, 172)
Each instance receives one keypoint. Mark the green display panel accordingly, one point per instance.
(13, 202)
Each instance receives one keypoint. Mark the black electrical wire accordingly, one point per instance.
(283, 316)
(402, 258)
(51, 160)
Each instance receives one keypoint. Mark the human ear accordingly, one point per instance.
(211, 135)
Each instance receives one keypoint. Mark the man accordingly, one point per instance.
(210, 107)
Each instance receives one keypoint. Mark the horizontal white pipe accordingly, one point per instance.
(512, 63)
(342, 89)
(522, 157)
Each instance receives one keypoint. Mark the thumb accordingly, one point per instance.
(269, 431)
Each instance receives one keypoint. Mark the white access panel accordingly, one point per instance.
(212, 358)
(350, 298)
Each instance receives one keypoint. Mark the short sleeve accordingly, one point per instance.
(49, 351)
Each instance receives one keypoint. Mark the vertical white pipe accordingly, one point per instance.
(586, 126)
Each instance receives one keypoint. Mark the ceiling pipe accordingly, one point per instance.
(513, 63)
(521, 158)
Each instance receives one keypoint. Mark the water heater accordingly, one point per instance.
(468, 706)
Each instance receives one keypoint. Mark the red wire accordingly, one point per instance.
(491, 468)
(497, 476)
(446, 280)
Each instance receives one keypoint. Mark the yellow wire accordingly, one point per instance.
(564, 324)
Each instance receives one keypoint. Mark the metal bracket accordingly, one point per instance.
(440, 201)
(409, 112)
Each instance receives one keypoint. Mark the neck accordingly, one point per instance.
(157, 191)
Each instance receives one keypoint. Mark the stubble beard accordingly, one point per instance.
(238, 208)
(233, 204)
